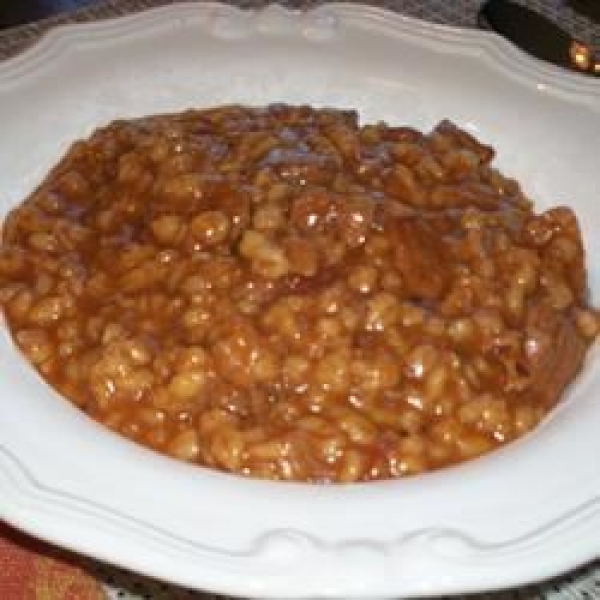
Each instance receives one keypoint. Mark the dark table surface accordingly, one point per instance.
(18, 12)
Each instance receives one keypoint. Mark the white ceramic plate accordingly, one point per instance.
(529, 511)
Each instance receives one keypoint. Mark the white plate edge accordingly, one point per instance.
(274, 19)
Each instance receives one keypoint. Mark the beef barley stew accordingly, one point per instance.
(285, 293)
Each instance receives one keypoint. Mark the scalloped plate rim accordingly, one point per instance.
(496, 48)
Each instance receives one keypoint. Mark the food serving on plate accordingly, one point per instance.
(287, 294)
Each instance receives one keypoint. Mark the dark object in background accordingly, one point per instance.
(538, 36)
(588, 8)
(19, 12)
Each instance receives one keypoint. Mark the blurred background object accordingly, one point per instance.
(589, 8)
(539, 35)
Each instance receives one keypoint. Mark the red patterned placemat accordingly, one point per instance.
(32, 570)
